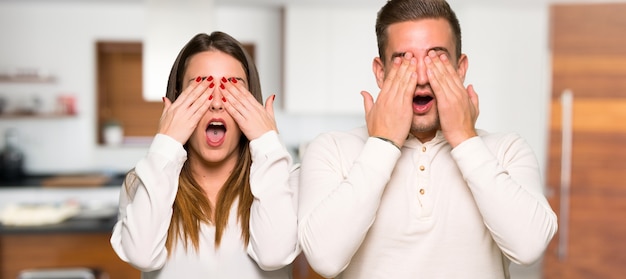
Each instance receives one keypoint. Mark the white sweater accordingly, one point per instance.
(368, 210)
(144, 218)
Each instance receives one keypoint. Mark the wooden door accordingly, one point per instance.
(588, 60)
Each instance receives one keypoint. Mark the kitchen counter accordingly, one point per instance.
(98, 205)
(72, 225)
(80, 241)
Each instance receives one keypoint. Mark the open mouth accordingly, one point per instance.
(422, 100)
(215, 132)
(422, 103)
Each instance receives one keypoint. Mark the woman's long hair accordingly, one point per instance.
(192, 207)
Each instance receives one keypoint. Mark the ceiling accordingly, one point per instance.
(343, 2)
(380, 2)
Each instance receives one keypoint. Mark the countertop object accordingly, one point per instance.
(88, 180)
(65, 180)
(58, 273)
(24, 214)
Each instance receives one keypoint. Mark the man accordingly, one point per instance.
(420, 192)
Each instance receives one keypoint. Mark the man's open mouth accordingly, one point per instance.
(422, 100)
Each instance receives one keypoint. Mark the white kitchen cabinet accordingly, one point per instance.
(328, 58)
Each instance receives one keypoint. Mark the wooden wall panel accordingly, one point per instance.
(603, 115)
(580, 32)
(589, 58)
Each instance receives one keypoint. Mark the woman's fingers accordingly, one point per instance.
(194, 90)
(269, 105)
(252, 117)
(181, 117)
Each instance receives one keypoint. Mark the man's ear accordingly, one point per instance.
(379, 71)
(462, 66)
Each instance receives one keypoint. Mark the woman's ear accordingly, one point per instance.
(378, 68)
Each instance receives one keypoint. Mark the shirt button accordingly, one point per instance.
(423, 148)
(422, 168)
(422, 191)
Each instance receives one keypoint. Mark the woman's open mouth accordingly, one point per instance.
(215, 132)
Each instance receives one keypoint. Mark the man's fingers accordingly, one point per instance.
(473, 97)
(368, 101)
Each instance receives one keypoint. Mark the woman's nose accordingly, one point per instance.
(217, 101)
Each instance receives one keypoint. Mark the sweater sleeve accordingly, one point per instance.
(339, 197)
(145, 205)
(506, 184)
(273, 221)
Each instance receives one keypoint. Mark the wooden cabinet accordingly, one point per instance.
(20, 251)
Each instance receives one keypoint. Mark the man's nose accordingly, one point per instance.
(422, 76)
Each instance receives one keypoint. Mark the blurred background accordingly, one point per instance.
(81, 83)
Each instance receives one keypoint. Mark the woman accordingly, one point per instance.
(215, 196)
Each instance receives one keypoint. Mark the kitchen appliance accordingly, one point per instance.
(11, 158)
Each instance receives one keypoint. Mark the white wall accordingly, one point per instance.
(509, 65)
(60, 37)
(263, 28)
(507, 48)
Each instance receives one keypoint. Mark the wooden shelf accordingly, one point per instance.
(27, 79)
(35, 116)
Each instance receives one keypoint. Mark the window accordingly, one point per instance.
(119, 92)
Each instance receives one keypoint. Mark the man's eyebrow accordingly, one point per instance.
(397, 54)
(440, 49)
(436, 49)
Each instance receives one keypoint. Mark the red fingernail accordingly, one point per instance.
(211, 85)
(224, 99)
(211, 97)
(163, 99)
(273, 97)
(198, 79)
(224, 79)
(222, 86)
(233, 80)
(210, 78)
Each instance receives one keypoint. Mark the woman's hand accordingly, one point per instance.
(253, 119)
(180, 119)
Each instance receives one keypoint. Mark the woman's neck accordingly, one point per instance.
(212, 177)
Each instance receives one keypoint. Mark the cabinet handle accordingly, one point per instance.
(567, 100)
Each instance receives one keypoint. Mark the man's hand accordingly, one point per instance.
(391, 115)
(457, 105)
